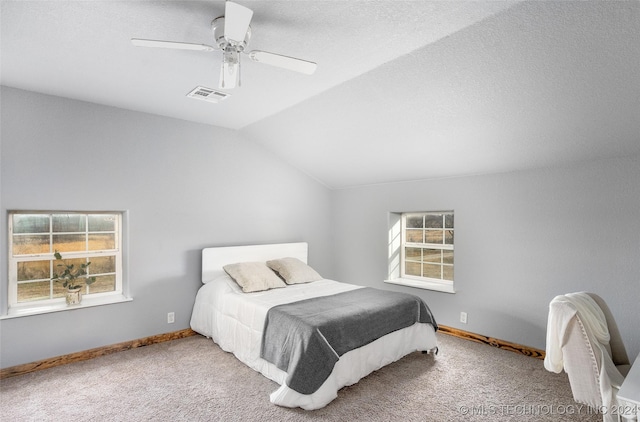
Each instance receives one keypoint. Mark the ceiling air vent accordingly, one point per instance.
(208, 94)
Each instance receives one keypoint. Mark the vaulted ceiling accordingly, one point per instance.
(404, 90)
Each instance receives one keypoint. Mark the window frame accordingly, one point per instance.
(53, 304)
(397, 253)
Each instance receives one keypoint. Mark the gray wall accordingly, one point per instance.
(521, 238)
(185, 186)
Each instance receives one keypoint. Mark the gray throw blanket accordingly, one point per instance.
(306, 338)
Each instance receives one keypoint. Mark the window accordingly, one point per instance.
(421, 250)
(80, 237)
(427, 246)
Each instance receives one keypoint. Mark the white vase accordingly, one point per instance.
(74, 296)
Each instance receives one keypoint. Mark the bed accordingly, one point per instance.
(235, 320)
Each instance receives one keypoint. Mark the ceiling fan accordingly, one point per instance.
(231, 33)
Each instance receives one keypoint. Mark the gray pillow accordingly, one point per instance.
(294, 271)
(253, 276)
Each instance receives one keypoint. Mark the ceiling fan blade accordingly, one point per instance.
(286, 62)
(171, 44)
(236, 21)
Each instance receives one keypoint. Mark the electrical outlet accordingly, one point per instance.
(171, 318)
(463, 317)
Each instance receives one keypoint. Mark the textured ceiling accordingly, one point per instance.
(541, 84)
(404, 90)
(82, 50)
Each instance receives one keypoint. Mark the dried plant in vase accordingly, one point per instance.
(72, 278)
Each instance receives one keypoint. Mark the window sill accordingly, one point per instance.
(21, 311)
(427, 285)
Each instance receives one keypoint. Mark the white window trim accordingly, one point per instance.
(423, 284)
(15, 309)
(396, 258)
(36, 308)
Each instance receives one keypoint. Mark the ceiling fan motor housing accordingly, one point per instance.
(217, 27)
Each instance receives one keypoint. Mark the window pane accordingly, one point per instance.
(104, 283)
(414, 222)
(448, 237)
(59, 290)
(412, 268)
(103, 264)
(31, 223)
(433, 221)
(431, 270)
(447, 273)
(33, 291)
(432, 255)
(448, 221)
(69, 223)
(414, 236)
(25, 245)
(427, 245)
(433, 236)
(102, 222)
(60, 265)
(102, 241)
(34, 270)
(447, 257)
(413, 254)
(69, 243)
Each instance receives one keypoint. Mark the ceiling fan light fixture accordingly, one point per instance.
(230, 72)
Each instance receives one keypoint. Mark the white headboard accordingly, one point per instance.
(213, 259)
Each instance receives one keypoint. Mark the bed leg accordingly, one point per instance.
(434, 351)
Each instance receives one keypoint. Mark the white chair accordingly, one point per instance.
(595, 368)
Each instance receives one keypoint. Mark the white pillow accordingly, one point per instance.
(253, 276)
(294, 271)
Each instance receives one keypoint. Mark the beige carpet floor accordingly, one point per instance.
(192, 379)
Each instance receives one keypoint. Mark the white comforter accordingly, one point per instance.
(234, 320)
